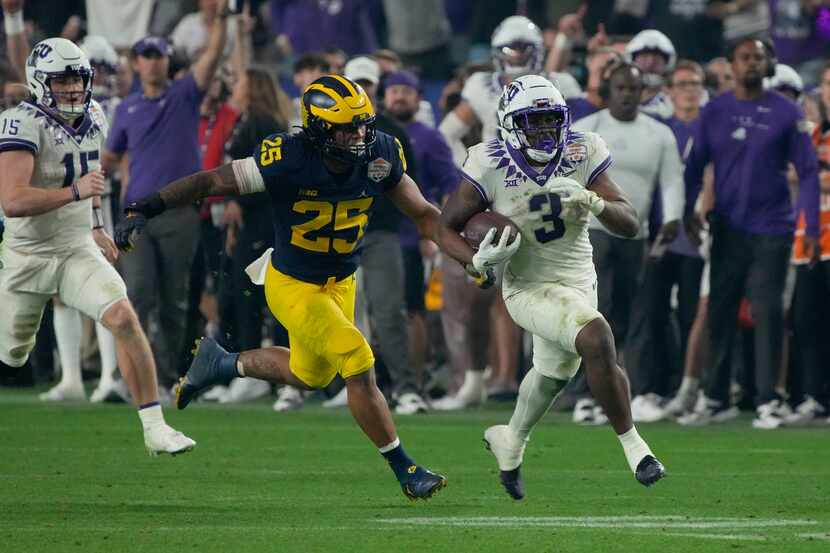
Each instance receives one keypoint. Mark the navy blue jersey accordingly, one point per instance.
(319, 216)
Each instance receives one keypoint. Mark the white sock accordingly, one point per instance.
(689, 385)
(635, 448)
(536, 394)
(67, 322)
(390, 446)
(151, 416)
(106, 347)
(472, 387)
(239, 368)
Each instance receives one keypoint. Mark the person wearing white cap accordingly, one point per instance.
(787, 82)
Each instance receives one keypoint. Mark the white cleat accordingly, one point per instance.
(115, 391)
(646, 408)
(589, 413)
(770, 415)
(341, 399)
(508, 451)
(681, 404)
(410, 403)
(807, 412)
(507, 448)
(288, 399)
(64, 392)
(166, 439)
(215, 393)
(241, 390)
(708, 411)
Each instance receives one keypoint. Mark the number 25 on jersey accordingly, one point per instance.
(342, 216)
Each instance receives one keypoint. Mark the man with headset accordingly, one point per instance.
(645, 153)
(750, 135)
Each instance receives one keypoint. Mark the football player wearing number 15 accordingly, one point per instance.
(548, 180)
(323, 184)
(55, 244)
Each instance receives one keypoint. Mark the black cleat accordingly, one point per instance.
(203, 371)
(511, 480)
(422, 484)
(649, 471)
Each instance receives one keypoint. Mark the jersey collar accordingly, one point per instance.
(77, 134)
(539, 177)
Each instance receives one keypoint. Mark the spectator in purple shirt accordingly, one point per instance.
(157, 129)
(750, 135)
(303, 26)
(801, 33)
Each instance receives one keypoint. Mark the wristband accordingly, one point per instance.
(149, 207)
(562, 41)
(13, 23)
(97, 218)
(75, 192)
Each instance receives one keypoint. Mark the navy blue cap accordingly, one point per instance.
(401, 78)
(152, 44)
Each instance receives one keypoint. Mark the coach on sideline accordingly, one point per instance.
(157, 129)
(750, 135)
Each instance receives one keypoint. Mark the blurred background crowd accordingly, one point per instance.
(429, 66)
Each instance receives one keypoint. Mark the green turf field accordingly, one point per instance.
(75, 478)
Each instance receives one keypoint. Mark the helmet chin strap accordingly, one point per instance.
(540, 156)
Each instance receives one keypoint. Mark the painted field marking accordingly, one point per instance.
(618, 522)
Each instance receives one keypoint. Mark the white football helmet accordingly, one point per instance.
(534, 118)
(58, 57)
(652, 40)
(785, 78)
(517, 47)
(104, 60)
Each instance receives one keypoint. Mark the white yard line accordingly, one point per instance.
(617, 522)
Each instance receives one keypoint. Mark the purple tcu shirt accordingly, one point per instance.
(683, 133)
(580, 107)
(437, 175)
(313, 26)
(750, 143)
(160, 135)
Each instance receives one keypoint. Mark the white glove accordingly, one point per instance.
(581, 202)
(489, 255)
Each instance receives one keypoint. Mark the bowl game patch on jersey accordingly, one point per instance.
(378, 169)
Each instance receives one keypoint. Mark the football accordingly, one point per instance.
(480, 223)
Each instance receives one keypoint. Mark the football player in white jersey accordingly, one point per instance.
(54, 243)
(517, 49)
(654, 54)
(67, 321)
(547, 180)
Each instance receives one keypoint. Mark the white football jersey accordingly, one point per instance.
(552, 249)
(62, 155)
(483, 90)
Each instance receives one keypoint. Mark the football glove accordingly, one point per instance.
(137, 213)
(490, 255)
(581, 202)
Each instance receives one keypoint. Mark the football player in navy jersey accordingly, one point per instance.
(323, 184)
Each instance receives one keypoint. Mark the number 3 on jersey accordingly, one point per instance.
(554, 203)
(345, 215)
